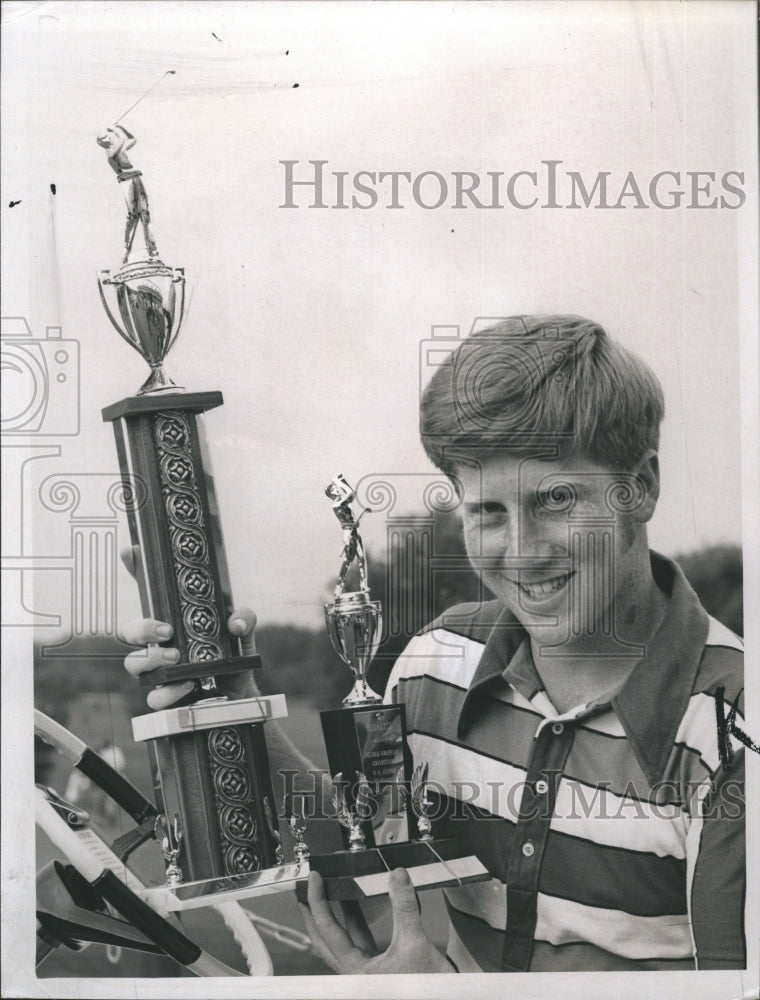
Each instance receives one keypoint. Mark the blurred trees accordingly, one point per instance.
(716, 574)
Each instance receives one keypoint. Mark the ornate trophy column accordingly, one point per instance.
(218, 816)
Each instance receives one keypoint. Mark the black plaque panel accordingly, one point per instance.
(371, 740)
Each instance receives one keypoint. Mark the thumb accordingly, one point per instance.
(130, 556)
(242, 622)
(406, 910)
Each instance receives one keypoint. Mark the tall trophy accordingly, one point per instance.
(380, 797)
(217, 826)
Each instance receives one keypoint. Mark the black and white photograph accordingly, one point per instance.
(380, 421)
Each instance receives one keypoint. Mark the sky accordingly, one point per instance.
(312, 321)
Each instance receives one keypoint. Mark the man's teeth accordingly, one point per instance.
(545, 587)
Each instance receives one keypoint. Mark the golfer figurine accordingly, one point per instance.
(117, 141)
(342, 496)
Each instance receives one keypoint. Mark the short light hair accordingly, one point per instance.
(533, 382)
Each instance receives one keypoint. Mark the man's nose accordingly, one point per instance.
(535, 540)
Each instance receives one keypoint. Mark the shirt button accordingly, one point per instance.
(528, 849)
(558, 729)
(542, 787)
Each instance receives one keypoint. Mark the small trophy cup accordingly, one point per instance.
(380, 801)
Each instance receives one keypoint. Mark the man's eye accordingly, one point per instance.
(557, 500)
(490, 510)
(493, 508)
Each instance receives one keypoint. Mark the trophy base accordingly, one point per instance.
(347, 875)
(208, 714)
(431, 864)
(195, 671)
(231, 888)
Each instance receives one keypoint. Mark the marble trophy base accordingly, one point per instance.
(228, 889)
(431, 864)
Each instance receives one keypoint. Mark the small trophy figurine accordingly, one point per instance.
(421, 805)
(274, 830)
(297, 821)
(144, 300)
(169, 837)
(348, 816)
(117, 141)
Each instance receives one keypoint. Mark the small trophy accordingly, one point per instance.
(364, 738)
(420, 803)
(380, 801)
(349, 816)
(169, 837)
(297, 821)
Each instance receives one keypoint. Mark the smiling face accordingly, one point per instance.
(561, 543)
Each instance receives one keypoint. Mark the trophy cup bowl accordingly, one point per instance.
(145, 302)
(354, 624)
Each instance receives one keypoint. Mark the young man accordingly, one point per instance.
(570, 723)
(572, 720)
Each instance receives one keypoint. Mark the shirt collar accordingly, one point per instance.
(651, 702)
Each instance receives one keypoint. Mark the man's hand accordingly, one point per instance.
(351, 950)
(148, 632)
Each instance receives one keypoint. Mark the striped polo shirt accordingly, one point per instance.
(613, 833)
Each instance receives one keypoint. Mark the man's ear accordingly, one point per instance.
(456, 482)
(647, 472)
